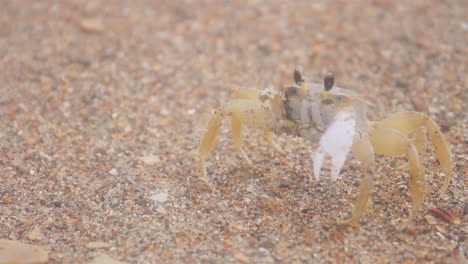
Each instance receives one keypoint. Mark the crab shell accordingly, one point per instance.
(335, 116)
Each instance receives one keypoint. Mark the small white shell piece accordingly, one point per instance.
(335, 143)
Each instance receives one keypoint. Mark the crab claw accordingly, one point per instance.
(336, 142)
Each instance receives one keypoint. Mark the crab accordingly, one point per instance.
(335, 118)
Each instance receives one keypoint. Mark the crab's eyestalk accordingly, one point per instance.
(328, 81)
(299, 76)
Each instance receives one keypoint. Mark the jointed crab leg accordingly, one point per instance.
(364, 152)
(420, 141)
(417, 185)
(236, 127)
(208, 139)
(269, 139)
(410, 122)
(420, 144)
(387, 142)
(391, 142)
(241, 111)
(252, 95)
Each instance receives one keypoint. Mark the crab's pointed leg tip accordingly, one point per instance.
(212, 189)
(352, 221)
(318, 162)
(317, 170)
(208, 184)
(403, 227)
(317, 176)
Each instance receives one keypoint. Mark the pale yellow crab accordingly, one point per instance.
(336, 118)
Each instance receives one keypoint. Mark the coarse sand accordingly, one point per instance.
(102, 105)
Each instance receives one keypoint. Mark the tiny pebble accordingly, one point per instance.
(430, 219)
(161, 210)
(150, 159)
(105, 259)
(242, 257)
(98, 245)
(160, 197)
(91, 25)
(36, 234)
(267, 245)
(113, 171)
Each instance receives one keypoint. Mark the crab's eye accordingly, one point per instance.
(328, 81)
(299, 76)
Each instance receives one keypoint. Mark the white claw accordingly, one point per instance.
(318, 161)
(336, 142)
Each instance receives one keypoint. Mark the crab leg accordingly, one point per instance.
(410, 122)
(391, 142)
(364, 152)
(236, 128)
(252, 113)
(420, 144)
(387, 142)
(208, 139)
(417, 185)
(420, 141)
(269, 139)
(245, 94)
(254, 95)
(249, 112)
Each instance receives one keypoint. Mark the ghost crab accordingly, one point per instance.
(335, 117)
